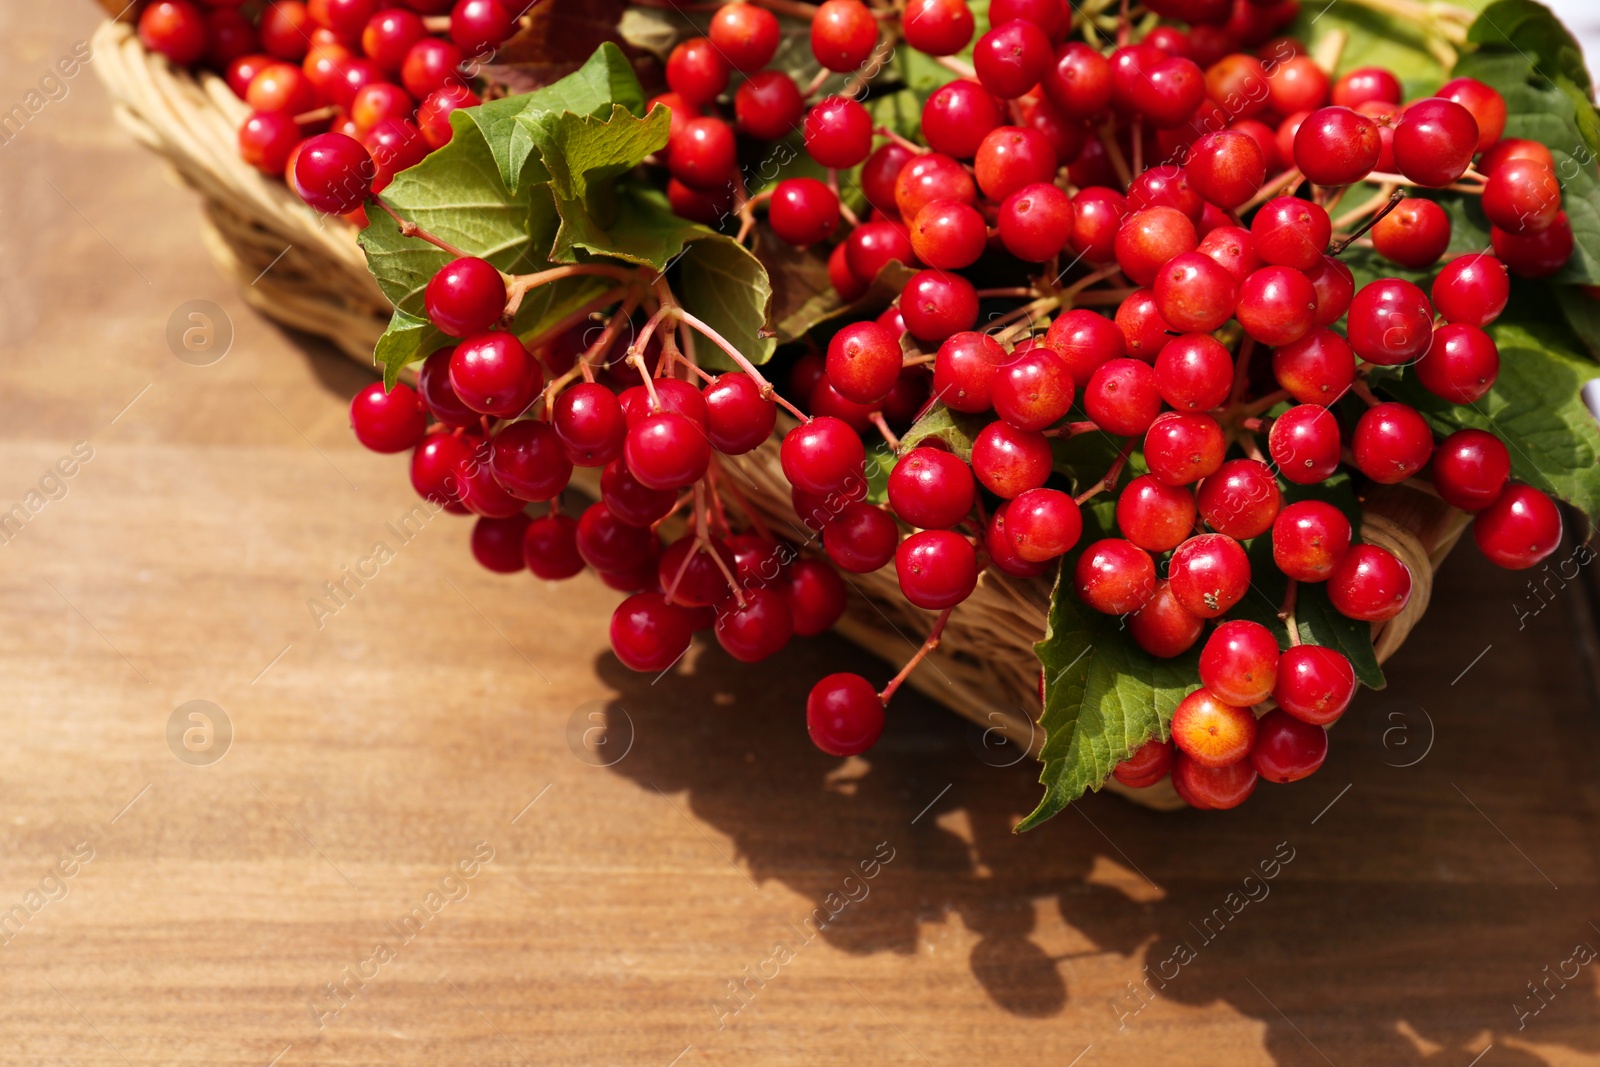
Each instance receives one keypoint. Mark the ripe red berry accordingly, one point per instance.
(1290, 232)
(937, 27)
(937, 305)
(1079, 80)
(844, 715)
(689, 573)
(1434, 142)
(550, 548)
(838, 132)
(1226, 167)
(1367, 83)
(465, 297)
(590, 423)
(1148, 239)
(1287, 749)
(822, 456)
(816, 596)
(1164, 627)
(527, 460)
(1011, 58)
(843, 33)
(738, 417)
(1009, 461)
(964, 370)
(1309, 538)
(1097, 215)
(1149, 763)
(1155, 516)
(1487, 106)
(862, 538)
(1335, 285)
(1043, 524)
(1370, 584)
(1144, 331)
(1277, 306)
(746, 35)
(628, 499)
(863, 362)
(1470, 469)
(1304, 443)
(608, 544)
(1035, 222)
(1012, 157)
(1461, 365)
(1034, 390)
(1115, 577)
(493, 374)
(1472, 290)
(1535, 255)
(1213, 788)
(1210, 573)
(1522, 196)
(1122, 397)
(1390, 323)
(697, 71)
(803, 211)
(948, 235)
(1182, 448)
(332, 173)
(391, 421)
(759, 629)
(702, 155)
(1315, 684)
(1336, 146)
(1241, 499)
(478, 27)
(960, 114)
(1194, 372)
(937, 569)
(666, 451)
(268, 138)
(1085, 340)
(1194, 294)
(649, 634)
(1519, 529)
(1391, 442)
(1415, 234)
(1239, 663)
(768, 105)
(1317, 369)
(1211, 731)
(931, 489)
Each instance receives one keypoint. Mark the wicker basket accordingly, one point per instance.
(308, 273)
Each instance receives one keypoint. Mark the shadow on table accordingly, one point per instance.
(1381, 939)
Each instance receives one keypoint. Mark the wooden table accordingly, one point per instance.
(1441, 861)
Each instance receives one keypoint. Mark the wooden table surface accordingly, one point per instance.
(158, 910)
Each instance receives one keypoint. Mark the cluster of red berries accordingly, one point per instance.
(1187, 274)
(386, 74)
(1209, 259)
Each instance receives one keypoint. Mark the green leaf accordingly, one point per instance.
(725, 286)
(1373, 39)
(606, 80)
(455, 194)
(1103, 698)
(825, 304)
(643, 230)
(584, 153)
(1582, 312)
(1532, 29)
(956, 430)
(407, 339)
(1535, 408)
(880, 463)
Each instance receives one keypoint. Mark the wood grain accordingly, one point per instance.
(411, 731)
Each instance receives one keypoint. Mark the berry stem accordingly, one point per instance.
(1087, 280)
(522, 284)
(1343, 243)
(910, 146)
(1473, 187)
(1111, 476)
(783, 7)
(1368, 206)
(1114, 153)
(1288, 180)
(732, 489)
(767, 390)
(1021, 292)
(747, 214)
(1266, 403)
(411, 229)
(1286, 613)
(876, 418)
(964, 70)
(1364, 391)
(1241, 370)
(567, 322)
(921, 654)
(1071, 429)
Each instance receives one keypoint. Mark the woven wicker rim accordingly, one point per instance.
(307, 272)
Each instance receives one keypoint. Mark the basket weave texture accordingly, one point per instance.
(307, 272)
